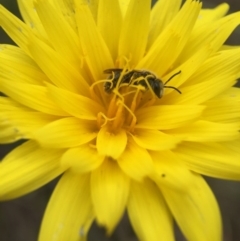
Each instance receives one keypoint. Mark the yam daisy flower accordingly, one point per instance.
(87, 89)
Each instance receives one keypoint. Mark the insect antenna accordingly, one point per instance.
(172, 77)
(172, 87)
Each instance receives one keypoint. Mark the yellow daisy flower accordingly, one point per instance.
(132, 104)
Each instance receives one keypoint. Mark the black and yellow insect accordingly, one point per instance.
(134, 76)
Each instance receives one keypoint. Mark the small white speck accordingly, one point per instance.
(32, 25)
(16, 130)
(81, 233)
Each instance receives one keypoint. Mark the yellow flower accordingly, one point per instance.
(85, 88)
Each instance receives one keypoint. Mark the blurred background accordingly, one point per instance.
(20, 218)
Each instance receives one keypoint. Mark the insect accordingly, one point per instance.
(132, 77)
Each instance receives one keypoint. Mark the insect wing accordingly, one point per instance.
(110, 71)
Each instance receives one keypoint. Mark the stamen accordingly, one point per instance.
(130, 92)
(124, 71)
(117, 93)
(134, 118)
(134, 102)
(149, 87)
(112, 106)
(100, 114)
(92, 92)
(121, 59)
(118, 118)
(92, 145)
(153, 99)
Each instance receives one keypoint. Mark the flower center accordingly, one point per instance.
(126, 92)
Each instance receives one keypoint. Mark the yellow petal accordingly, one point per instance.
(170, 172)
(60, 34)
(24, 120)
(167, 116)
(25, 123)
(124, 6)
(67, 9)
(20, 67)
(57, 68)
(225, 62)
(66, 132)
(219, 160)
(110, 143)
(15, 28)
(9, 133)
(8, 104)
(188, 68)
(109, 24)
(82, 159)
(93, 6)
(135, 161)
(30, 16)
(206, 131)
(154, 140)
(215, 33)
(196, 212)
(224, 107)
(76, 105)
(207, 16)
(94, 48)
(228, 47)
(203, 91)
(27, 168)
(110, 188)
(233, 146)
(69, 213)
(170, 43)
(149, 213)
(33, 96)
(135, 27)
(161, 15)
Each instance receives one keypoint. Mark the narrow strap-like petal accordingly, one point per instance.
(27, 168)
(196, 212)
(149, 213)
(109, 188)
(69, 213)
